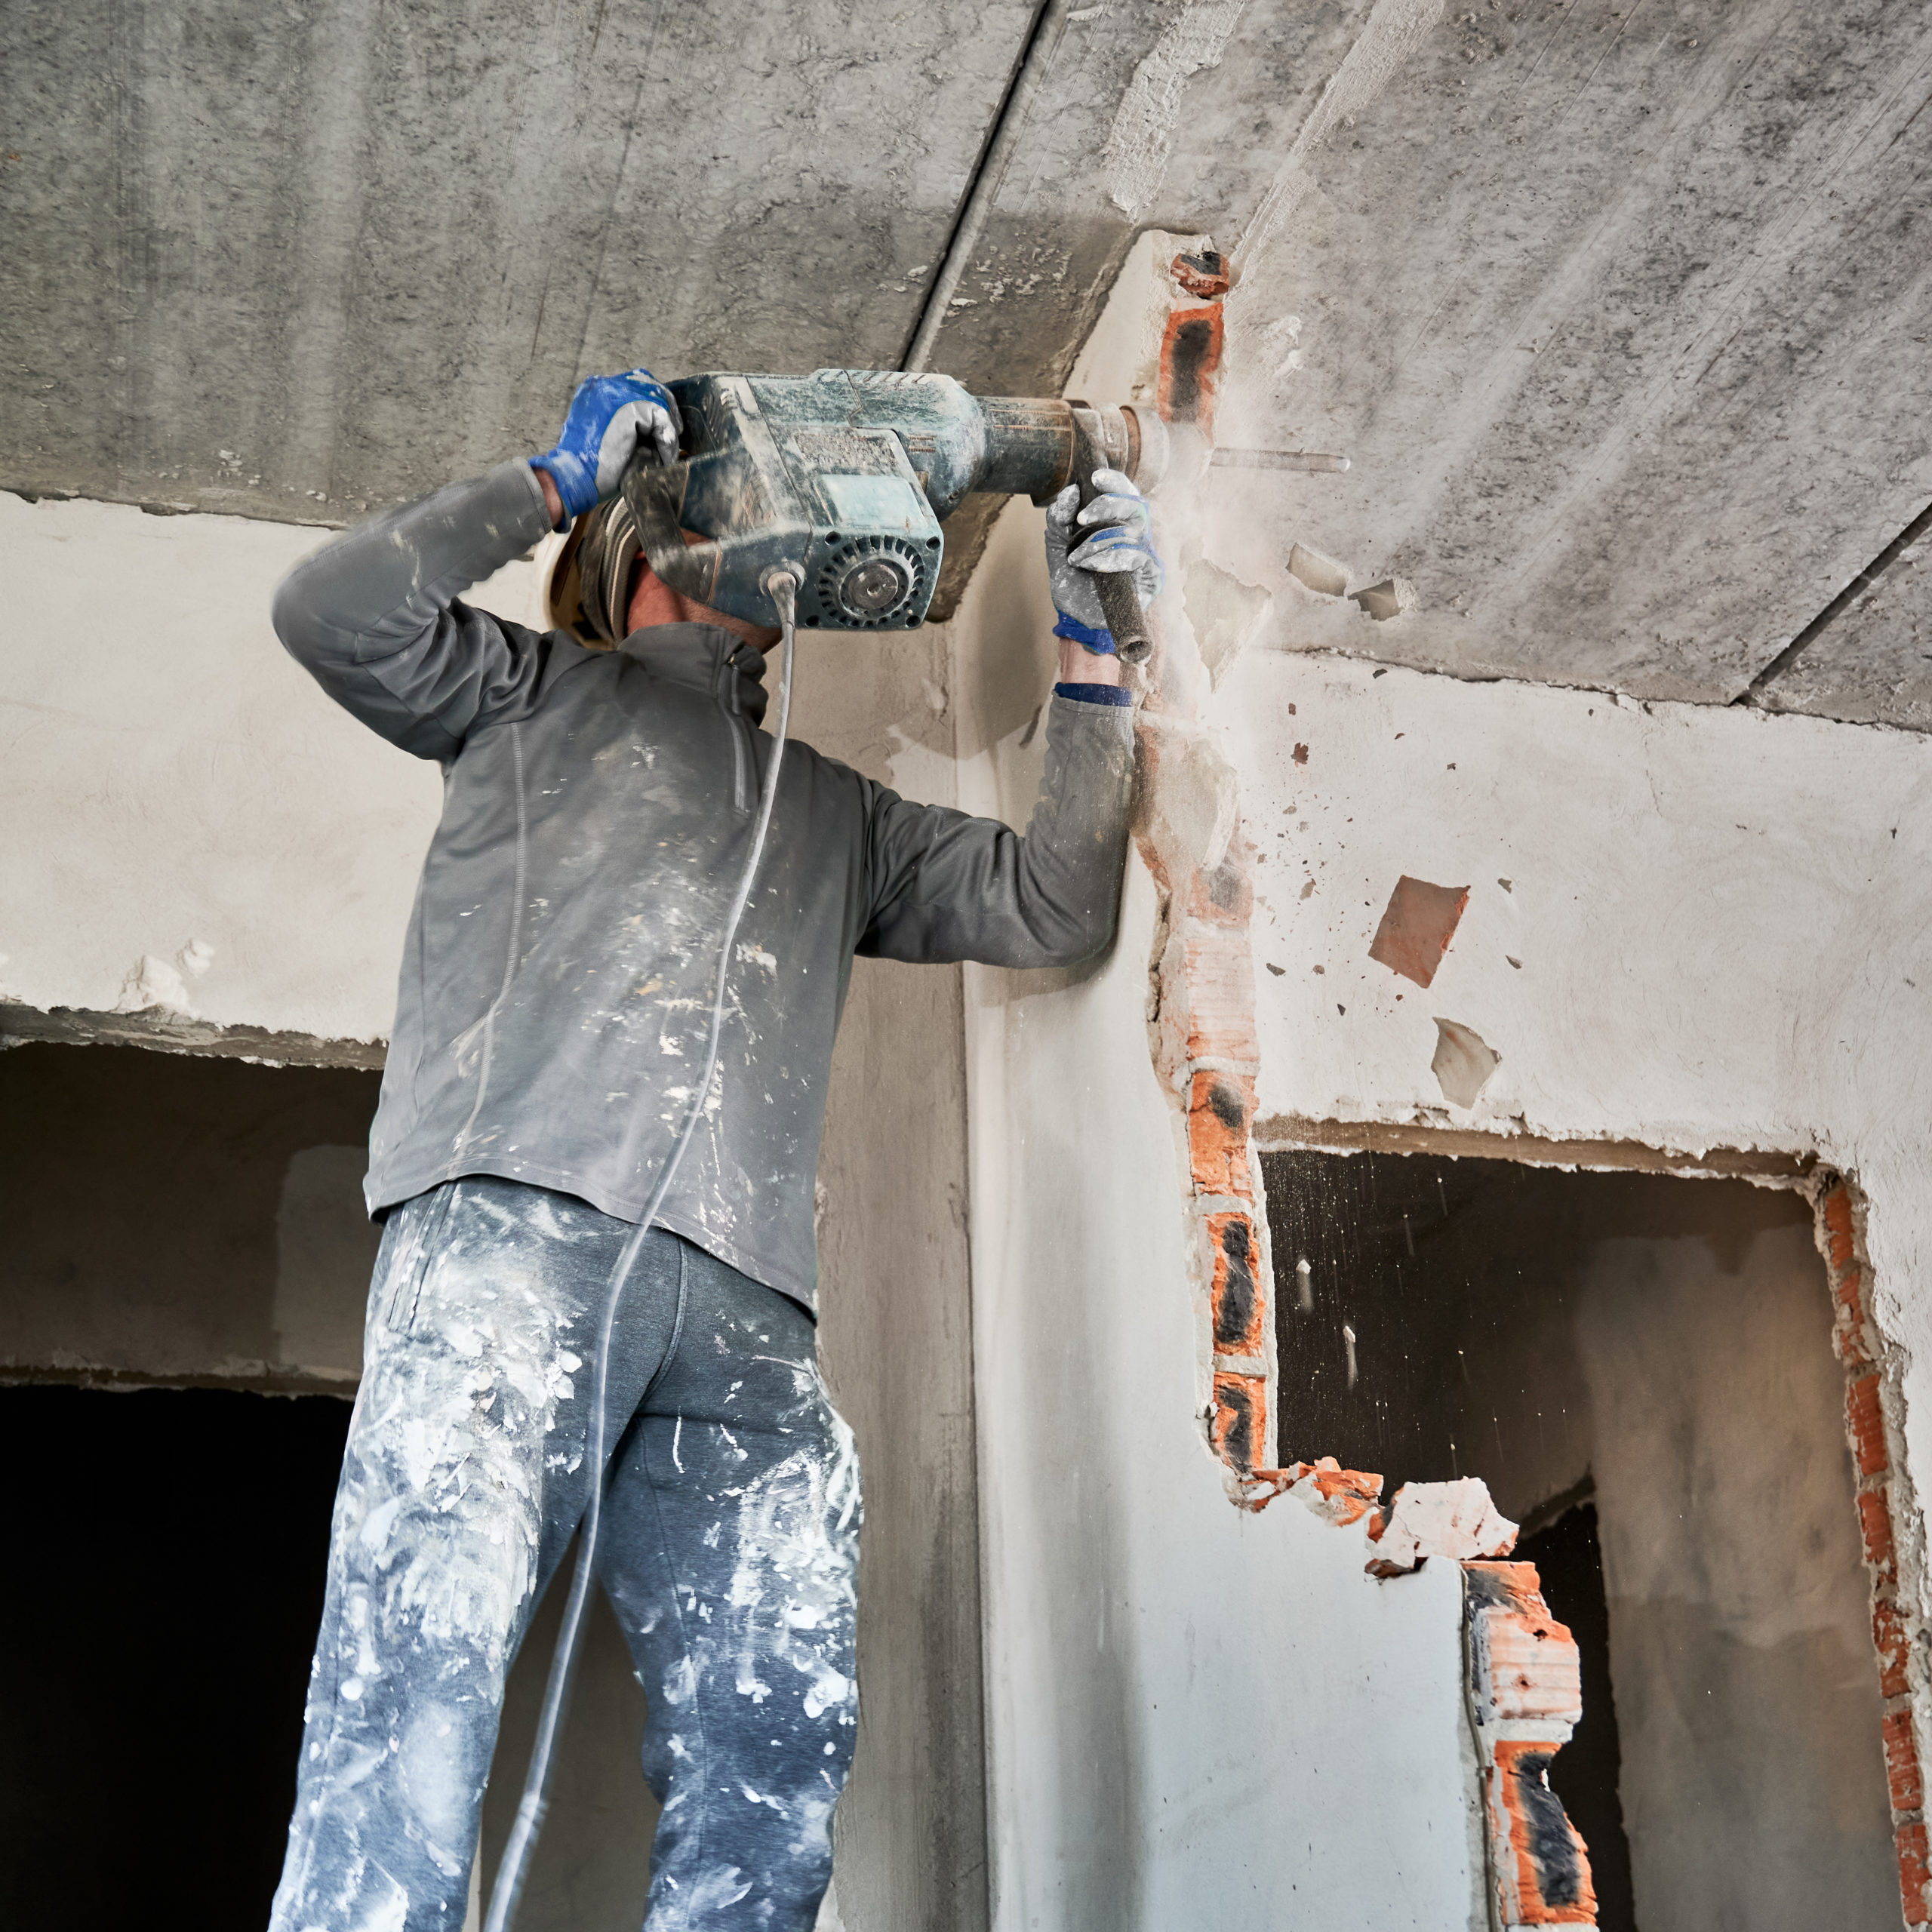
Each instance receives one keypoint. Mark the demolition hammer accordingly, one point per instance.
(849, 473)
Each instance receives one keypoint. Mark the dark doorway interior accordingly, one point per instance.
(1640, 1368)
(164, 1588)
(1585, 1773)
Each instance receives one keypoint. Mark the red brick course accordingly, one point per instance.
(1856, 1343)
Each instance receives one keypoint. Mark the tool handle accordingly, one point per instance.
(1120, 602)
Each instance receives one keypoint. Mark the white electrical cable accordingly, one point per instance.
(781, 585)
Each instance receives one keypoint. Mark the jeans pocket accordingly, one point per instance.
(418, 1240)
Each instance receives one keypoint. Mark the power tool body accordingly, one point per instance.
(849, 473)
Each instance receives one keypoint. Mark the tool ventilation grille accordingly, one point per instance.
(850, 551)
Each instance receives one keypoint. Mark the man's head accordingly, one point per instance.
(600, 588)
(653, 601)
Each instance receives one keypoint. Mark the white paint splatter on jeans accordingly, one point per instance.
(463, 1482)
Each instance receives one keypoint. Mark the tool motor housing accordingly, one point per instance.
(847, 473)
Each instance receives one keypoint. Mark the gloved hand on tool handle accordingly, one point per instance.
(1123, 543)
(608, 415)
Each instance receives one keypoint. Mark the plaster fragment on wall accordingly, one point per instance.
(1141, 139)
(152, 982)
(1464, 1062)
(1225, 612)
(1388, 599)
(1452, 1519)
(1417, 925)
(1320, 572)
(1337, 1495)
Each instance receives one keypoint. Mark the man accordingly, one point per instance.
(553, 1013)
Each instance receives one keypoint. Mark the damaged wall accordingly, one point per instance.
(1686, 928)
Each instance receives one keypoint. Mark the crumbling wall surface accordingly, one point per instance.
(1505, 910)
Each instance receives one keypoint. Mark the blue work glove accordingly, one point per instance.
(609, 414)
(1123, 544)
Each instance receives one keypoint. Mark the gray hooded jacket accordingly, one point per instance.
(597, 813)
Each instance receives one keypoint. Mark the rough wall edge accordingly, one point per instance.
(1891, 1527)
(1767, 1166)
(254, 1378)
(164, 1030)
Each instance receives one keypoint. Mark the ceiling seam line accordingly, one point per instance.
(1863, 582)
(1036, 56)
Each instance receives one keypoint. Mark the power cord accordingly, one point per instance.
(781, 585)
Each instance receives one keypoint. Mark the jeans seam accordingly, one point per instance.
(411, 1285)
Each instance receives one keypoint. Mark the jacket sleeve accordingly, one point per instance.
(375, 616)
(947, 886)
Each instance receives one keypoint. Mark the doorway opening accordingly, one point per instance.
(168, 1552)
(1640, 1366)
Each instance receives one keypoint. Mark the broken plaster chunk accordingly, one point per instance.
(1417, 925)
(1225, 613)
(1464, 1062)
(1388, 599)
(1452, 1519)
(1337, 1495)
(152, 982)
(1322, 574)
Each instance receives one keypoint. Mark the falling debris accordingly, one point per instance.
(1388, 599)
(1464, 1062)
(1452, 1519)
(1321, 574)
(1420, 921)
(1225, 612)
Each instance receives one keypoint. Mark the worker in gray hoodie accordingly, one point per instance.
(552, 1018)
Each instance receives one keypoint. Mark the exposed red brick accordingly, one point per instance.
(1889, 1639)
(1551, 1863)
(1417, 925)
(1915, 1874)
(1220, 1107)
(1867, 1423)
(1239, 1305)
(1875, 1522)
(1205, 275)
(1836, 1209)
(1191, 365)
(1240, 1420)
(1902, 1773)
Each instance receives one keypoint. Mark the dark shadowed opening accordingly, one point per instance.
(1660, 1349)
(166, 1550)
(1584, 1773)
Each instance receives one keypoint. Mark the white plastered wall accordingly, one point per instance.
(1713, 935)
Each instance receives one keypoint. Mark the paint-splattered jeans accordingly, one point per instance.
(730, 1550)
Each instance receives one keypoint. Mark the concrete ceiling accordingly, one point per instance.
(1617, 306)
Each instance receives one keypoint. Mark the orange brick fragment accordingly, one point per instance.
(1888, 1638)
(1218, 1109)
(1836, 1208)
(1240, 1418)
(1902, 1772)
(1875, 1522)
(1552, 1867)
(1867, 1423)
(1239, 1307)
(1915, 1874)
